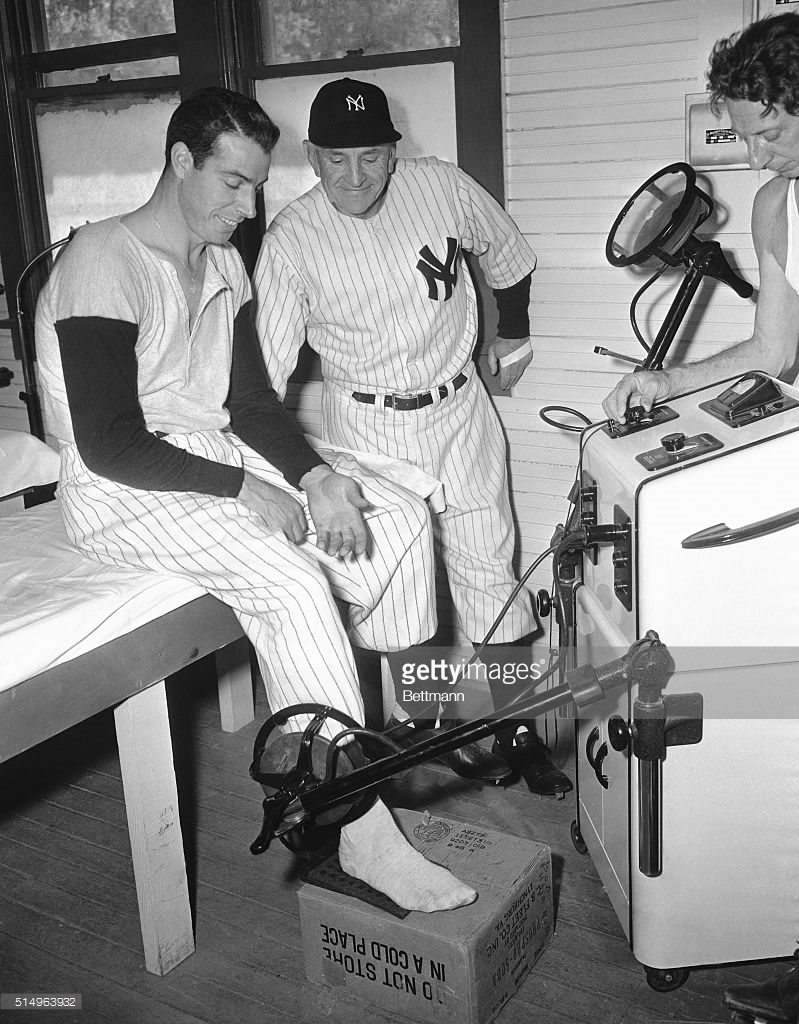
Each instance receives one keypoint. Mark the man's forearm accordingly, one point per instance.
(745, 356)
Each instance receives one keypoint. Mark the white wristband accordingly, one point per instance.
(521, 353)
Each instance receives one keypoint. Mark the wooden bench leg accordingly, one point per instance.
(234, 675)
(156, 841)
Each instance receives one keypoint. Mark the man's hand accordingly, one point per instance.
(643, 388)
(335, 502)
(509, 375)
(278, 509)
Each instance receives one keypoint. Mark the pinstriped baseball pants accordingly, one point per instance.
(460, 442)
(284, 595)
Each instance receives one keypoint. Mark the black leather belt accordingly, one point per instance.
(405, 403)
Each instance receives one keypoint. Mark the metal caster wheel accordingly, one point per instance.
(577, 838)
(666, 980)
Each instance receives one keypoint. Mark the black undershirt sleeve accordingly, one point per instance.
(513, 306)
(98, 356)
(257, 415)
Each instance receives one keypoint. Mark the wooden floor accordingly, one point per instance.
(69, 920)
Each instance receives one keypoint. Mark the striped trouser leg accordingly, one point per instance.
(460, 442)
(283, 594)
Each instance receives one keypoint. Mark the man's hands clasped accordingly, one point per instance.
(335, 503)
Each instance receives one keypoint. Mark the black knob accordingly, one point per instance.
(673, 442)
(635, 414)
(543, 603)
(618, 733)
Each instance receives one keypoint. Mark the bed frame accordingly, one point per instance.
(129, 674)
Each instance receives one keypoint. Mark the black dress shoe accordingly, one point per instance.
(528, 756)
(470, 761)
(775, 1001)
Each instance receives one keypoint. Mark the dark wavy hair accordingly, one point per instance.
(760, 64)
(208, 113)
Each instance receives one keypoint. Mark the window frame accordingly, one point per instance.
(477, 64)
(205, 51)
(478, 79)
(216, 43)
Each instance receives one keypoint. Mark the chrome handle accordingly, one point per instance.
(721, 534)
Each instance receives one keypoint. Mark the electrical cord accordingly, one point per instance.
(481, 646)
(634, 305)
(575, 538)
(564, 426)
(566, 539)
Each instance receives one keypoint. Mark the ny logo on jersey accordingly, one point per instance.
(433, 269)
(355, 103)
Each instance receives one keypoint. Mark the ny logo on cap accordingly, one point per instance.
(355, 103)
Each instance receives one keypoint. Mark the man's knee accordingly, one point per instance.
(406, 509)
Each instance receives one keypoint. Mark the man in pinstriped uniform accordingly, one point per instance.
(367, 267)
(178, 458)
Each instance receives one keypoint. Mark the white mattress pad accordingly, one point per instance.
(56, 603)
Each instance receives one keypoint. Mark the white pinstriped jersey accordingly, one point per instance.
(387, 302)
(183, 374)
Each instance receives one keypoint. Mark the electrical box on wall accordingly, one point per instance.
(765, 8)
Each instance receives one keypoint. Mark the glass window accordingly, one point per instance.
(66, 23)
(154, 68)
(303, 30)
(101, 158)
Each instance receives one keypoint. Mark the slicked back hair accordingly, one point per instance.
(208, 113)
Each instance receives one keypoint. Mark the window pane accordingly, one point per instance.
(101, 158)
(302, 30)
(66, 23)
(155, 68)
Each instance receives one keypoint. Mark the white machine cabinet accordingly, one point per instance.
(701, 859)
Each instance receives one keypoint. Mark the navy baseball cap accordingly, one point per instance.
(348, 114)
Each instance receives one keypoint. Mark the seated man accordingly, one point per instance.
(178, 458)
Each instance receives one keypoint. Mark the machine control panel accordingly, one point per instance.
(640, 419)
(676, 448)
(753, 397)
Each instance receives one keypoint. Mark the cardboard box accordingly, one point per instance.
(459, 966)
